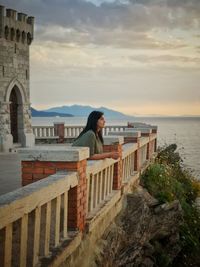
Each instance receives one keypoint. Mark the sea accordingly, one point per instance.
(184, 131)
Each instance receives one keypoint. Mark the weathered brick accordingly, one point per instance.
(49, 171)
(38, 176)
(44, 164)
(38, 170)
(27, 170)
(27, 176)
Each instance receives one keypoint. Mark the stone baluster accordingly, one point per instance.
(131, 136)
(114, 143)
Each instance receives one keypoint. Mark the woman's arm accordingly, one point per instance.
(113, 155)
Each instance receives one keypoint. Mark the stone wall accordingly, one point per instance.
(16, 35)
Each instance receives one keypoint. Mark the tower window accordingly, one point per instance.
(3, 71)
(6, 32)
(26, 74)
(18, 34)
(12, 34)
(15, 48)
(23, 37)
(29, 38)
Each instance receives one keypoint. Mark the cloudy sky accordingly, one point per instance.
(135, 56)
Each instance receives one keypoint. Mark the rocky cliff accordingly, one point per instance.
(141, 231)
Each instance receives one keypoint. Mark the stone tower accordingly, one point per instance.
(16, 35)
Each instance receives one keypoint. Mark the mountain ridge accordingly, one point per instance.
(41, 113)
(83, 111)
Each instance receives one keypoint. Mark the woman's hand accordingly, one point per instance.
(114, 155)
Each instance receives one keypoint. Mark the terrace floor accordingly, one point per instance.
(10, 172)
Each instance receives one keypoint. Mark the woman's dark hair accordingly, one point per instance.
(93, 117)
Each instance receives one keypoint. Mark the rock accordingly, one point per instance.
(142, 226)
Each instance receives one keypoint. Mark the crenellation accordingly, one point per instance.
(22, 17)
(16, 26)
(11, 13)
(30, 20)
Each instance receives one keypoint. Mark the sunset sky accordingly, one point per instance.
(140, 57)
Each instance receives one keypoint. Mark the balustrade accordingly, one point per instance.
(43, 131)
(143, 155)
(38, 214)
(99, 182)
(128, 159)
(35, 219)
(70, 131)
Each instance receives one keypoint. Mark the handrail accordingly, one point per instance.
(26, 209)
(71, 131)
(41, 208)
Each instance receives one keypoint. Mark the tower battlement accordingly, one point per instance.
(16, 26)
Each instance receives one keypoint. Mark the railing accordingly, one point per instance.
(34, 219)
(69, 131)
(117, 128)
(99, 182)
(72, 131)
(44, 131)
(143, 155)
(128, 158)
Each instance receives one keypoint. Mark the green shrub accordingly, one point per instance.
(166, 180)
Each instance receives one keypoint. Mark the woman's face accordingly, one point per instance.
(101, 123)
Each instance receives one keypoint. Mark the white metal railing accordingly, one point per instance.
(99, 182)
(33, 220)
(69, 131)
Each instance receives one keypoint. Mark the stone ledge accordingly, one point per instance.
(95, 166)
(22, 201)
(54, 153)
(142, 129)
(128, 148)
(132, 133)
(153, 136)
(113, 140)
(95, 217)
(127, 186)
(143, 141)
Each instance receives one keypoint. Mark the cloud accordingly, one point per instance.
(165, 58)
(141, 14)
(109, 22)
(117, 38)
(133, 53)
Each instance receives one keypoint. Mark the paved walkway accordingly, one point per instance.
(10, 172)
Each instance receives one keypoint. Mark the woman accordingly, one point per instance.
(91, 137)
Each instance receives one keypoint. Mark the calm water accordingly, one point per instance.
(185, 132)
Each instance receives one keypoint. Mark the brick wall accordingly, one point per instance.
(33, 171)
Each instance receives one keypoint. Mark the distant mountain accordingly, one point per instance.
(39, 113)
(83, 111)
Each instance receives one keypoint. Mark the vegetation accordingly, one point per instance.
(167, 180)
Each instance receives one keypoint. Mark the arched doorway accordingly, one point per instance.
(15, 104)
